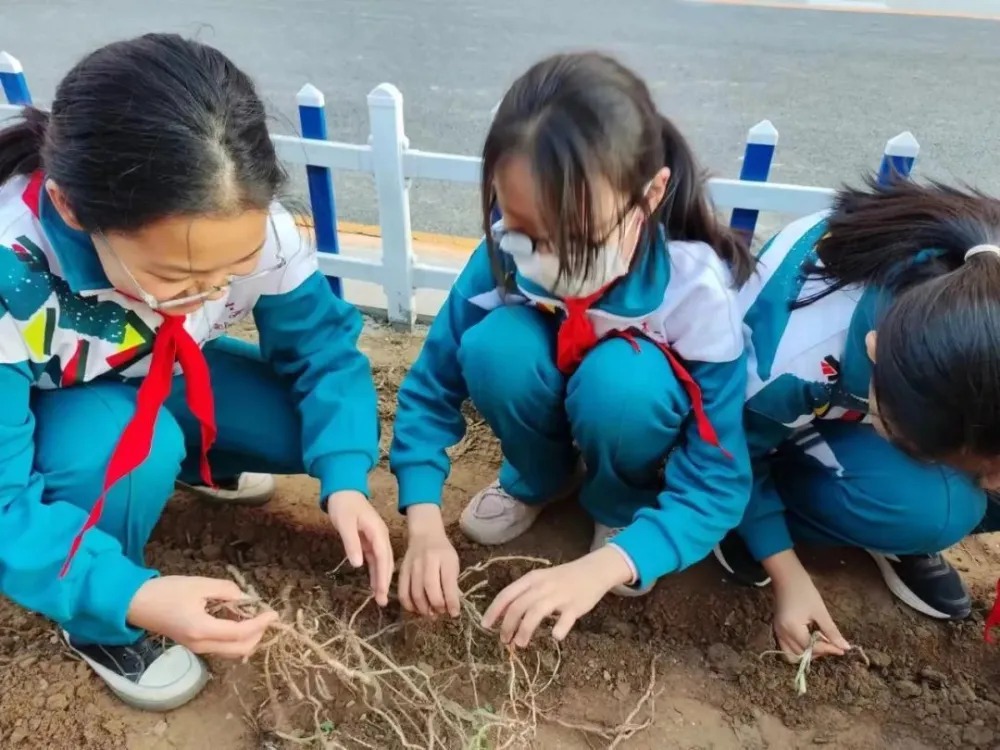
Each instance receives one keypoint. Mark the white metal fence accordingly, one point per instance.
(393, 163)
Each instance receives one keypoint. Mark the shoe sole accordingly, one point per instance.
(153, 699)
(226, 497)
(628, 592)
(153, 704)
(721, 559)
(903, 592)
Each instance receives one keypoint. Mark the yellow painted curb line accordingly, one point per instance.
(447, 242)
(443, 241)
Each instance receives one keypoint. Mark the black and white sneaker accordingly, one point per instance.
(926, 583)
(149, 675)
(736, 560)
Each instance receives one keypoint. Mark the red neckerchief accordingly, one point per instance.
(577, 336)
(172, 344)
(993, 618)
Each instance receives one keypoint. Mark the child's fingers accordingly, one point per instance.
(823, 648)
(390, 561)
(207, 632)
(246, 644)
(417, 587)
(216, 589)
(532, 619)
(377, 535)
(351, 539)
(432, 584)
(564, 624)
(789, 647)
(794, 637)
(831, 632)
(503, 600)
(516, 613)
(403, 585)
(449, 581)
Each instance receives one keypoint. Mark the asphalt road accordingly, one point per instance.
(835, 84)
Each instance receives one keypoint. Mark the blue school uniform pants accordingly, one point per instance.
(77, 429)
(842, 484)
(620, 410)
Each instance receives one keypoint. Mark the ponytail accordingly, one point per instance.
(904, 233)
(936, 372)
(686, 213)
(21, 144)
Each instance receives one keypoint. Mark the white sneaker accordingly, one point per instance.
(248, 489)
(493, 516)
(604, 534)
(148, 675)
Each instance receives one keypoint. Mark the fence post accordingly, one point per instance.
(762, 139)
(389, 143)
(312, 119)
(15, 85)
(898, 158)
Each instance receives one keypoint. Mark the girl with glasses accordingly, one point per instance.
(598, 332)
(138, 221)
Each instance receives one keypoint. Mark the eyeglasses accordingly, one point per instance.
(206, 294)
(521, 245)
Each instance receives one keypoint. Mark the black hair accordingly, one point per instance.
(148, 128)
(936, 375)
(583, 117)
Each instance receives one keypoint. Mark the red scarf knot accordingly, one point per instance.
(577, 336)
(172, 344)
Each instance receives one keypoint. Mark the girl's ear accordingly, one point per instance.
(657, 189)
(58, 198)
(870, 345)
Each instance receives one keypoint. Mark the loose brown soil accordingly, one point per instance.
(928, 685)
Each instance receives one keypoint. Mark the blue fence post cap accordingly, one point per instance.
(9, 63)
(903, 145)
(310, 96)
(763, 133)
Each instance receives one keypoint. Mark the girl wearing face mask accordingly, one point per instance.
(137, 222)
(597, 330)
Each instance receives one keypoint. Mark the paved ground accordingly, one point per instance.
(836, 84)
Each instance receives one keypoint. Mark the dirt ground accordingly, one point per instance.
(928, 685)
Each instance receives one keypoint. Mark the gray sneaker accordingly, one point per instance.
(494, 516)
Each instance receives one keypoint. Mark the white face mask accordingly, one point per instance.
(612, 262)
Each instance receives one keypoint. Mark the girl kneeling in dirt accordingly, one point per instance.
(137, 222)
(598, 320)
(873, 412)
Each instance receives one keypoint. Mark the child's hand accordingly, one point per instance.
(571, 590)
(177, 607)
(365, 537)
(798, 607)
(428, 578)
